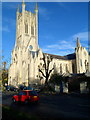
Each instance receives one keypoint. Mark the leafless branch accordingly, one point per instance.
(42, 73)
(50, 71)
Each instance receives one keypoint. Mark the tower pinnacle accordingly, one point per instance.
(23, 6)
(78, 42)
(36, 8)
(23, 2)
(18, 8)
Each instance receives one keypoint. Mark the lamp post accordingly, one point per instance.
(28, 75)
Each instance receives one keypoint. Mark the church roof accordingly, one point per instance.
(67, 57)
(70, 56)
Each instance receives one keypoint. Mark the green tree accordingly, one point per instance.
(4, 74)
(4, 77)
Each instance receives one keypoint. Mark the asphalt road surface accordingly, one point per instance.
(54, 106)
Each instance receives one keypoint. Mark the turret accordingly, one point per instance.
(23, 6)
(36, 8)
(18, 9)
(78, 43)
(23, 17)
(17, 16)
(36, 31)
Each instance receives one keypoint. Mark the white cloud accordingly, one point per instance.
(82, 35)
(63, 42)
(61, 48)
(64, 47)
(53, 46)
(45, 50)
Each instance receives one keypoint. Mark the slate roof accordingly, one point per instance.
(70, 56)
(67, 57)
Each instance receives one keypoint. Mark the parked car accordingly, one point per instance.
(27, 88)
(11, 88)
(26, 96)
(21, 87)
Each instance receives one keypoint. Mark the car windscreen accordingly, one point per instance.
(32, 93)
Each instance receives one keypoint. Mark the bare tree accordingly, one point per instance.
(46, 72)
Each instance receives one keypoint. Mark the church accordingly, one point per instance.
(26, 55)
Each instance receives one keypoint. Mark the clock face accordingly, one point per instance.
(30, 47)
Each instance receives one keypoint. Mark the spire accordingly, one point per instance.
(23, 2)
(18, 9)
(78, 42)
(23, 6)
(36, 8)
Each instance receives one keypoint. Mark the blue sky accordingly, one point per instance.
(59, 26)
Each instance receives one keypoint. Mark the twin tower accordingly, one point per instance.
(27, 28)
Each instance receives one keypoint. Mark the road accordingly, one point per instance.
(54, 106)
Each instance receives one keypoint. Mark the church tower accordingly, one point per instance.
(27, 28)
(26, 51)
(81, 58)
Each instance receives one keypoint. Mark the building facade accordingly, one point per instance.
(26, 55)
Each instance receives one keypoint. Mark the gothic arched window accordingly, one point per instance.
(73, 68)
(85, 62)
(26, 28)
(81, 62)
(61, 68)
(32, 30)
(66, 68)
(86, 65)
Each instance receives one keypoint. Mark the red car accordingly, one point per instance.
(26, 96)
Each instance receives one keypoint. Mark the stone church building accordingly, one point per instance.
(26, 55)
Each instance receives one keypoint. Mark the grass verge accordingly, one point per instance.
(11, 114)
